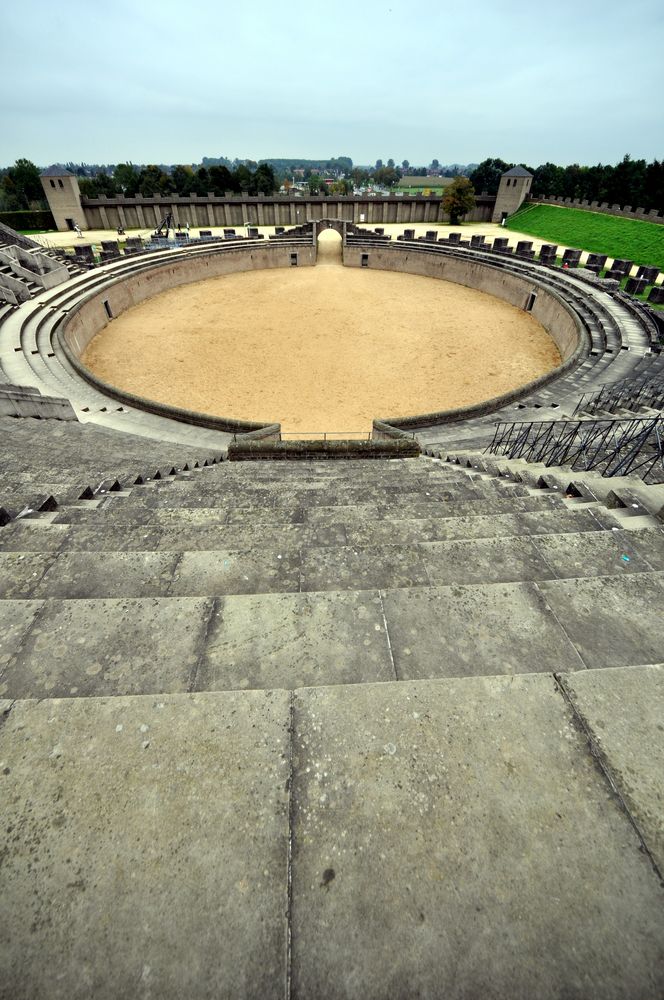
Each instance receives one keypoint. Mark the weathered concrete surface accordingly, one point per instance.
(612, 621)
(504, 628)
(15, 619)
(107, 574)
(408, 531)
(110, 647)
(247, 571)
(145, 845)
(350, 568)
(484, 560)
(296, 640)
(456, 839)
(623, 709)
(21, 572)
(605, 553)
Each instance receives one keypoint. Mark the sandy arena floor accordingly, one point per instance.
(322, 348)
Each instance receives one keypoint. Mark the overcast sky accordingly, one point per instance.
(171, 81)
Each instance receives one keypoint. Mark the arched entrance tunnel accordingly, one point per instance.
(329, 247)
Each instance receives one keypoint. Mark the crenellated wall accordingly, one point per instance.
(623, 212)
(237, 210)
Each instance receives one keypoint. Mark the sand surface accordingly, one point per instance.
(322, 348)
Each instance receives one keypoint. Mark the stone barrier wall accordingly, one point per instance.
(253, 451)
(238, 210)
(623, 212)
(549, 309)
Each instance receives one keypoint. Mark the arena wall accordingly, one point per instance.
(548, 309)
(90, 317)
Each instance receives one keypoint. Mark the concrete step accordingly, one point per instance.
(350, 835)
(105, 533)
(113, 511)
(215, 572)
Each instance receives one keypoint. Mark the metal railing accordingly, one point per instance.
(326, 435)
(610, 447)
(644, 390)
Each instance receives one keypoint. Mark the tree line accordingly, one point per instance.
(629, 182)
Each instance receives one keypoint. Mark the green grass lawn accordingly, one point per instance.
(629, 239)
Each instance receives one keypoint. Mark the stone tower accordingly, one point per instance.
(64, 198)
(514, 187)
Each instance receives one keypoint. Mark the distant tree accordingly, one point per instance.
(360, 177)
(342, 186)
(547, 180)
(127, 178)
(263, 181)
(390, 163)
(654, 186)
(94, 187)
(379, 165)
(486, 177)
(387, 176)
(315, 183)
(154, 181)
(458, 199)
(183, 179)
(221, 179)
(404, 165)
(243, 177)
(22, 186)
(434, 165)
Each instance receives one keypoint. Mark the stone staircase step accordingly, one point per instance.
(405, 531)
(154, 572)
(211, 497)
(283, 819)
(114, 511)
(605, 553)
(183, 535)
(458, 631)
(90, 648)
(613, 621)
(407, 848)
(622, 710)
(152, 823)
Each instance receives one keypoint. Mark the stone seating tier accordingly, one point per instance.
(300, 717)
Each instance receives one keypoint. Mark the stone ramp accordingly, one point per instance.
(458, 838)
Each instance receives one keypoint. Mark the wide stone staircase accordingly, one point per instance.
(344, 729)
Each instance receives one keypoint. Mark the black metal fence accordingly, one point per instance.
(610, 447)
(629, 393)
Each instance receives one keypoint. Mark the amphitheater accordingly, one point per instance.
(375, 717)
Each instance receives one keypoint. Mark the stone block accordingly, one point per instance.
(145, 842)
(456, 839)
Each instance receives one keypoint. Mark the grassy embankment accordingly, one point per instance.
(628, 239)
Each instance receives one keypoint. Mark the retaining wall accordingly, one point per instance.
(90, 317)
